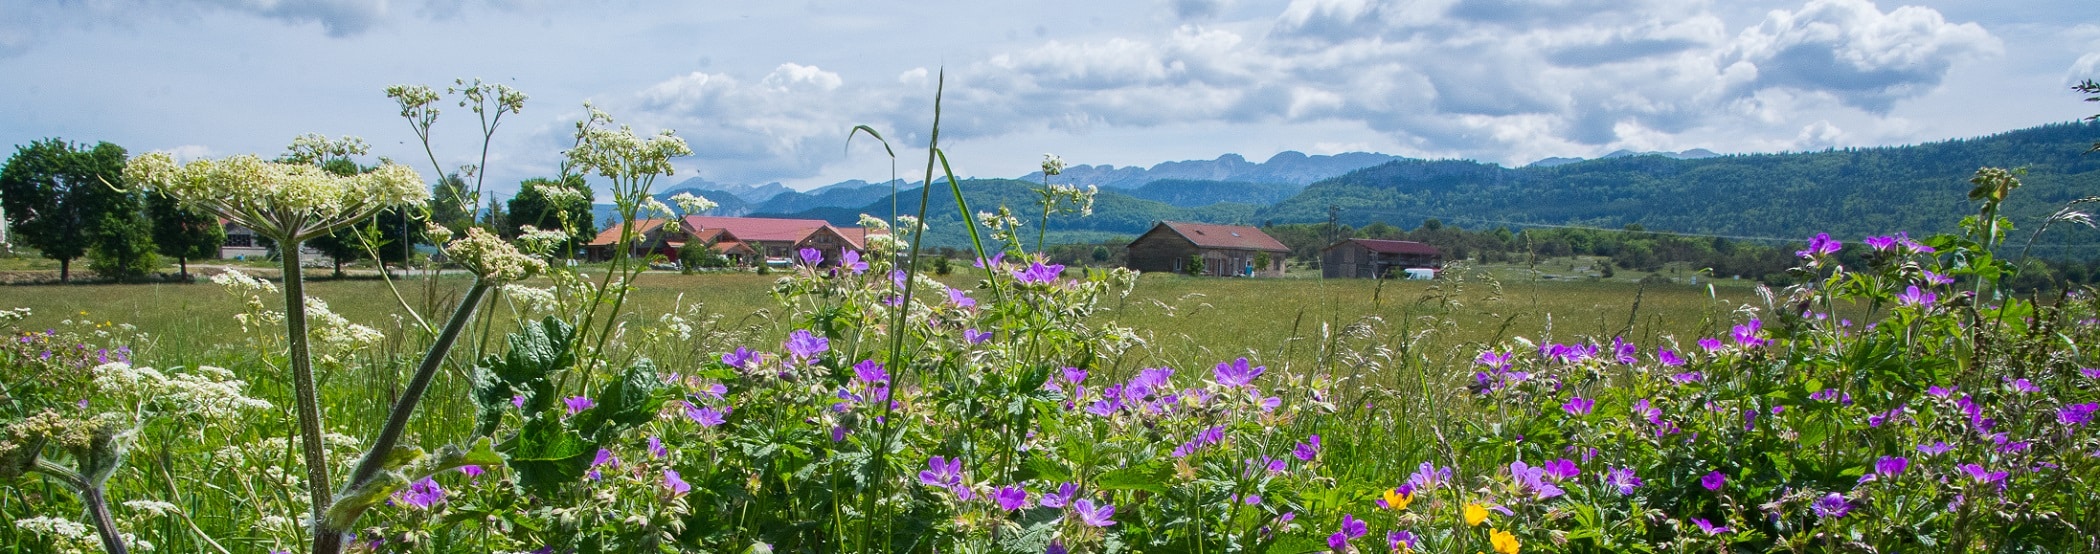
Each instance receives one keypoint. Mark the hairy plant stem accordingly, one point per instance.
(308, 402)
(329, 540)
(92, 498)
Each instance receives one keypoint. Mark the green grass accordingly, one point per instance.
(1185, 320)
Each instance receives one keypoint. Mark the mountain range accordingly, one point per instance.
(1849, 192)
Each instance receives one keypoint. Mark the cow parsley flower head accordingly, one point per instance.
(690, 204)
(286, 201)
(494, 261)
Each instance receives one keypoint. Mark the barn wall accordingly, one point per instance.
(1160, 251)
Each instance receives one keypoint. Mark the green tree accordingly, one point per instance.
(34, 191)
(120, 239)
(450, 205)
(549, 204)
(182, 233)
(67, 201)
(1195, 266)
(346, 243)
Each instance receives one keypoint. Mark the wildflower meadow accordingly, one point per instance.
(520, 404)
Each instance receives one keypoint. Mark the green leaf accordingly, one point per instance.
(363, 496)
(545, 455)
(1042, 468)
(1150, 476)
(630, 401)
(536, 351)
(481, 453)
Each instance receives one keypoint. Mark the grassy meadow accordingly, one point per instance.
(1184, 320)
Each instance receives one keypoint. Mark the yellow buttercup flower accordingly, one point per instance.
(1397, 501)
(1503, 542)
(1475, 514)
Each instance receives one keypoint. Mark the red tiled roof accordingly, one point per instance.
(1397, 247)
(612, 234)
(1209, 235)
(763, 229)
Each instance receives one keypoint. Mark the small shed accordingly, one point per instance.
(1375, 258)
(1226, 250)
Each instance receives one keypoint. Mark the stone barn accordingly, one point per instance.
(1375, 258)
(1226, 250)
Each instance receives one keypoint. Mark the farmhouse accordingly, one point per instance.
(744, 240)
(1374, 258)
(1226, 250)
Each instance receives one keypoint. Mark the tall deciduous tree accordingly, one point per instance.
(183, 233)
(34, 190)
(67, 201)
(120, 239)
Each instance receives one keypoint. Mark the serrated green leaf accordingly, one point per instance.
(1150, 476)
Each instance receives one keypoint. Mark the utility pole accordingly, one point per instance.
(1334, 229)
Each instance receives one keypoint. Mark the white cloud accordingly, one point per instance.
(1851, 48)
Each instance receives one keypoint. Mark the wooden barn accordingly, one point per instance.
(1226, 250)
(1375, 258)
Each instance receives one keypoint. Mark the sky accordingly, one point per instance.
(768, 91)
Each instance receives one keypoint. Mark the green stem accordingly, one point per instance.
(91, 497)
(308, 404)
(397, 422)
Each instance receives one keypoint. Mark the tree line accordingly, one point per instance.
(69, 201)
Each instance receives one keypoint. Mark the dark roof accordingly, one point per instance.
(1209, 235)
(1394, 247)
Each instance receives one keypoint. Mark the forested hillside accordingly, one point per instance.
(1851, 192)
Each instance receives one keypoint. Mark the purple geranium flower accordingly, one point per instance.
(1914, 296)
(1668, 357)
(740, 359)
(974, 336)
(1982, 475)
(2077, 414)
(1533, 479)
(870, 372)
(942, 472)
(1010, 498)
(1935, 449)
(1237, 374)
(1880, 243)
(705, 416)
(806, 346)
(578, 404)
(1709, 527)
(676, 485)
(1037, 272)
(1831, 506)
(1562, 469)
(422, 494)
(811, 256)
(1057, 499)
(1891, 466)
(851, 261)
(1710, 344)
(1714, 481)
(472, 471)
(1622, 479)
(1821, 245)
(1746, 334)
(1351, 529)
(656, 448)
(961, 298)
(1306, 451)
(1092, 515)
(1428, 476)
(1578, 406)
